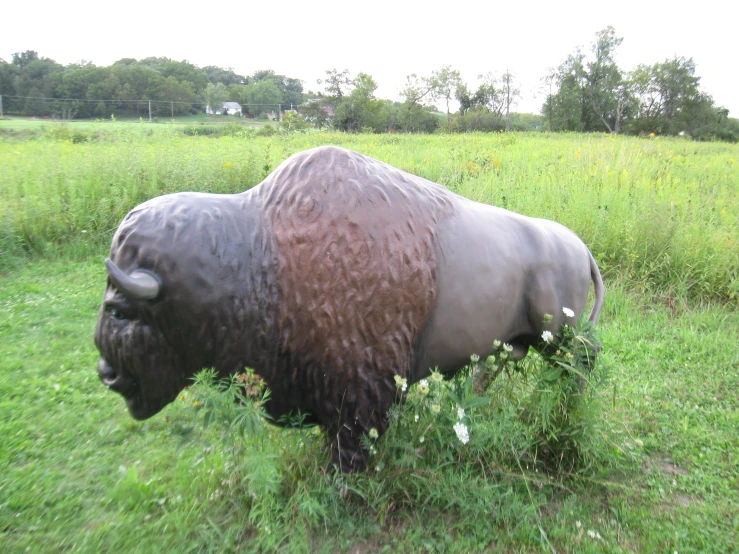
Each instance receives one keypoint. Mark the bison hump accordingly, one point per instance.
(356, 248)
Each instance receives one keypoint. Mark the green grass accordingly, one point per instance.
(20, 123)
(662, 213)
(78, 474)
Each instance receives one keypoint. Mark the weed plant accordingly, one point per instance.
(660, 213)
(541, 416)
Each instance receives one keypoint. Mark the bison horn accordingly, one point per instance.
(140, 285)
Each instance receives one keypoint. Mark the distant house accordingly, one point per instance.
(230, 108)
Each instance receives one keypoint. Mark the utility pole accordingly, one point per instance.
(1, 105)
(171, 104)
(149, 111)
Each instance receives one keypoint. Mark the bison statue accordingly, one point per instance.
(335, 274)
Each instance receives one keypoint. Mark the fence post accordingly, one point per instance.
(1, 105)
(149, 111)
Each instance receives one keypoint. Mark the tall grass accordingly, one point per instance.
(662, 213)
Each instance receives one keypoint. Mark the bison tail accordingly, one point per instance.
(599, 290)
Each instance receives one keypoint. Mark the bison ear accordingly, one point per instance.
(140, 285)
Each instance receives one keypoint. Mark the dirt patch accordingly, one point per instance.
(664, 466)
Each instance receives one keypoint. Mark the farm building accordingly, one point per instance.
(230, 108)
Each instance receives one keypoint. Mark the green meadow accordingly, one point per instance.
(660, 448)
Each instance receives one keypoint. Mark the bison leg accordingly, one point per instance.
(346, 451)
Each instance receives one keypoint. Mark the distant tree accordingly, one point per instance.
(228, 77)
(489, 95)
(679, 89)
(360, 110)
(315, 111)
(547, 85)
(416, 89)
(604, 80)
(292, 91)
(181, 95)
(464, 97)
(510, 93)
(568, 108)
(22, 59)
(411, 115)
(184, 72)
(214, 96)
(263, 96)
(444, 83)
(337, 84)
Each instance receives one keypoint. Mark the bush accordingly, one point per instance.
(266, 131)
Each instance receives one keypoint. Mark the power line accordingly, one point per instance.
(125, 100)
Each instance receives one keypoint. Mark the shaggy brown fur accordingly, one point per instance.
(356, 270)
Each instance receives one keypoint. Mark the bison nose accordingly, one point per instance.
(118, 381)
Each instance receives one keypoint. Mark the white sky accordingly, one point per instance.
(387, 39)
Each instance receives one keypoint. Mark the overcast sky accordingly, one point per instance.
(387, 39)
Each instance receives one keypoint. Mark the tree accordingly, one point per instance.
(604, 79)
(263, 96)
(216, 74)
(337, 84)
(315, 111)
(510, 93)
(444, 83)
(22, 59)
(416, 89)
(667, 96)
(489, 96)
(547, 84)
(410, 115)
(679, 90)
(360, 110)
(214, 96)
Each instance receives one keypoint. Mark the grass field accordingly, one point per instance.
(79, 475)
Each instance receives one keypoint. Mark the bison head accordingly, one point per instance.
(185, 291)
(138, 359)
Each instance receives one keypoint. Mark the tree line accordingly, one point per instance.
(588, 92)
(37, 86)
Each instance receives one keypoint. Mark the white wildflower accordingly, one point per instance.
(507, 347)
(460, 413)
(578, 524)
(422, 439)
(415, 418)
(547, 336)
(373, 434)
(496, 344)
(474, 358)
(568, 312)
(401, 383)
(436, 377)
(462, 433)
(424, 382)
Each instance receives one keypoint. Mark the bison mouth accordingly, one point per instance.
(125, 385)
(122, 382)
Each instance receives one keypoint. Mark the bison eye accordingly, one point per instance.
(116, 313)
